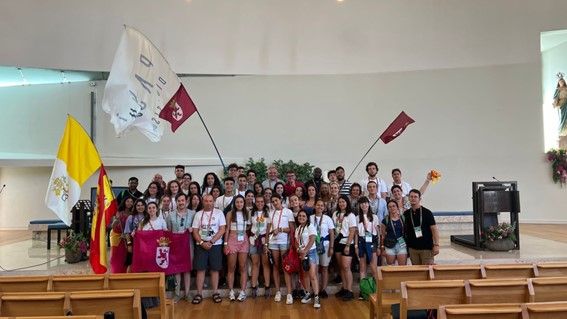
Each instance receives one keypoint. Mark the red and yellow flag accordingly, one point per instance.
(106, 207)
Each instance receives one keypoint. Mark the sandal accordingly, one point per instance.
(217, 298)
(197, 299)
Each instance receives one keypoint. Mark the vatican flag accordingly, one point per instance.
(76, 161)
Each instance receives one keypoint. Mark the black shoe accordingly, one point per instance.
(340, 293)
(338, 280)
(323, 294)
(348, 295)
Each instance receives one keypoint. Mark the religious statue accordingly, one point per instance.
(560, 102)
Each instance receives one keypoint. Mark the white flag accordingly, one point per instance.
(140, 84)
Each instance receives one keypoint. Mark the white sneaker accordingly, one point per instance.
(241, 296)
(278, 296)
(306, 298)
(316, 303)
(289, 300)
(231, 296)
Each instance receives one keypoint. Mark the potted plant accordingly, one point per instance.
(75, 245)
(500, 237)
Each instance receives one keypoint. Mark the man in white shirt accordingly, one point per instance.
(242, 185)
(372, 170)
(224, 201)
(397, 180)
(208, 229)
(272, 178)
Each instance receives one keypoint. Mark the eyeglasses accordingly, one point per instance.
(182, 221)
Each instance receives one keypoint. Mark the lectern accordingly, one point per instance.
(490, 199)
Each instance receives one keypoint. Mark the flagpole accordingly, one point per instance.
(213, 141)
(363, 156)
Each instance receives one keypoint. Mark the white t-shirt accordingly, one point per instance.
(260, 223)
(327, 224)
(302, 236)
(406, 187)
(209, 223)
(281, 219)
(223, 202)
(369, 226)
(382, 187)
(158, 224)
(238, 222)
(348, 222)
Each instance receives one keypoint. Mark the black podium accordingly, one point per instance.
(490, 199)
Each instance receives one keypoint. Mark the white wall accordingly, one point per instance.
(471, 124)
(281, 37)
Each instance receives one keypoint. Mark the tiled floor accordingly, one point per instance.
(20, 253)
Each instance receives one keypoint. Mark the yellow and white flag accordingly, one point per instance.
(77, 159)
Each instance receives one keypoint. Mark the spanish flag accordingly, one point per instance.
(77, 159)
(105, 208)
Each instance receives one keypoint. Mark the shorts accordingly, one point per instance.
(313, 257)
(366, 250)
(235, 246)
(258, 247)
(397, 250)
(208, 259)
(280, 247)
(324, 259)
(341, 248)
(421, 257)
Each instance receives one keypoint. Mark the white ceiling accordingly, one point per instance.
(281, 36)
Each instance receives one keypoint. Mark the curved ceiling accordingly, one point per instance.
(281, 37)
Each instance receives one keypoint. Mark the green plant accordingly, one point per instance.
(558, 160)
(259, 167)
(304, 172)
(500, 231)
(74, 242)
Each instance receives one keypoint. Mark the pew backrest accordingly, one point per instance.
(457, 272)
(500, 291)
(124, 303)
(499, 271)
(78, 283)
(549, 288)
(32, 304)
(546, 310)
(552, 269)
(431, 294)
(24, 283)
(480, 311)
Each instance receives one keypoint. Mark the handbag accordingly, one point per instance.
(305, 264)
(390, 242)
(291, 259)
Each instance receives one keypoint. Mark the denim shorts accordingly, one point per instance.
(313, 257)
(397, 250)
(280, 247)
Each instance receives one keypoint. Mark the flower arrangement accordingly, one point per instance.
(500, 231)
(558, 160)
(74, 242)
(435, 176)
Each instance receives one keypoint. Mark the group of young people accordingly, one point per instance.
(242, 220)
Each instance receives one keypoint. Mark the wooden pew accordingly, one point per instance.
(486, 291)
(24, 283)
(456, 272)
(33, 304)
(431, 294)
(480, 311)
(499, 271)
(150, 285)
(56, 317)
(552, 269)
(124, 303)
(549, 289)
(546, 310)
(68, 283)
(389, 285)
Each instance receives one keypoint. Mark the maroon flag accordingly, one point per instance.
(396, 128)
(178, 109)
(161, 251)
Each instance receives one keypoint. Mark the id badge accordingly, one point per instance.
(417, 231)
(204, 233)
(240, 235)
(368, 237)
(402, 242)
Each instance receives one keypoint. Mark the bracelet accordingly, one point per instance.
(225, 244)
